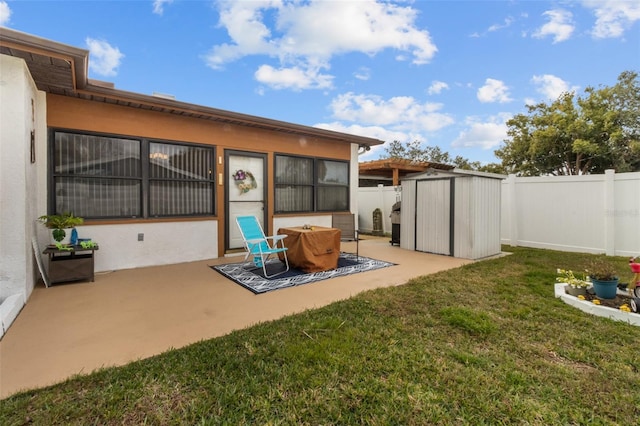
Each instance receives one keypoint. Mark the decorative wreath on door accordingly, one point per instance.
(245, 181)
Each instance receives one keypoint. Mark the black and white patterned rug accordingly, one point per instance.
(252, 278)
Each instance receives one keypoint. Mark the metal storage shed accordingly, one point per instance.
(455, 213)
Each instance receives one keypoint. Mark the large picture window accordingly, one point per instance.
(305, 184)
(97, 176)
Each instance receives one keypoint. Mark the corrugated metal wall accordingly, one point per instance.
(433, 216)
(477, 217)
(408, 216)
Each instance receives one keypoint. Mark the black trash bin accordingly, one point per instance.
(395, 224)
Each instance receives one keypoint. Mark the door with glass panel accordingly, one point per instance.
(245, 192)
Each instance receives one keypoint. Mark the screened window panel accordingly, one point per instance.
(97, 197)
(181, 180)
(294, 170)
(89, 155)
(333, 185)
(289, 198)
(333, 173)
(169, 161)
(333, 198)
(168, 198)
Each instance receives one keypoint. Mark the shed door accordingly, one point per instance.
(433, 216)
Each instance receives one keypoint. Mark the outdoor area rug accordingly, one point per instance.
(252, 278)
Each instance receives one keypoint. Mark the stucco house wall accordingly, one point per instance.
(38, 100)
(22, 183)
(199, 238)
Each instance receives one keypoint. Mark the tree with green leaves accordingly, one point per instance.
(433, 154)
(577, 135)
(415, 151)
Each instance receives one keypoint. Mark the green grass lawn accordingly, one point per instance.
(486, 343)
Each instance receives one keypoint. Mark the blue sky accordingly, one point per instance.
(446, 73)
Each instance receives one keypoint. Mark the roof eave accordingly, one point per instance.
(79, 58)
(224, 115)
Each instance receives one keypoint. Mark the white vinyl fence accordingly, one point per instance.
(588, 214)
(369, 199)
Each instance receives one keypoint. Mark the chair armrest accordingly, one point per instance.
(277, 239)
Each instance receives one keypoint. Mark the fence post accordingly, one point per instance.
(512, 210)
(609, 213)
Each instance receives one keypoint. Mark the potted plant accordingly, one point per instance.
(61, 225)
(602, 274)
(575, 285)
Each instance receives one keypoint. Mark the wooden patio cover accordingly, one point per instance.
(397, 168)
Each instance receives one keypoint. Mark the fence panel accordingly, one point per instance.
(369, 199)
(590, 213)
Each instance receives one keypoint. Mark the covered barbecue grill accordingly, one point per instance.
(395, 223)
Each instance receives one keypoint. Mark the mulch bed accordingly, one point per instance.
(610, 303)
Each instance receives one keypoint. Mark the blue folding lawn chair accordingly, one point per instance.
(260, 246)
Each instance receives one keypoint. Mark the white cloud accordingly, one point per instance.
(295, 78)
(104, 59)
(437, 87)
(550, 86)
(507, 23)
(402, 113)
(363, 73)
(5, 13)
(613, 17)
(485, 135)
(308, 34)
(158, 6)
(377, 132)
(493, 91)
(560, 25)
(401, 118)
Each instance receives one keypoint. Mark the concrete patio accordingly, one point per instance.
(132, 314)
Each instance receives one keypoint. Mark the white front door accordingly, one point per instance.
(245, 192)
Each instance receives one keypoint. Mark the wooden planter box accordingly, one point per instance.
(74, 265)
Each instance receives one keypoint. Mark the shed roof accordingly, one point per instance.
(453, 172)
(61, 69)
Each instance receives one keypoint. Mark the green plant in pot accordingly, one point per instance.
(575, 285)
(60, 224)
(602, 274)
